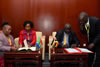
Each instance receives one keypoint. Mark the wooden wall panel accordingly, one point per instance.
(47, 15)
(0, 15)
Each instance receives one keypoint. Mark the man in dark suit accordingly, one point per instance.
(91, 27)
(66, 37)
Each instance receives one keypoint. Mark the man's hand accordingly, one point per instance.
(91, 45)
(65, 46)
(73, 45)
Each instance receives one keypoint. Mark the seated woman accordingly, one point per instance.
(6, 39)
(28, 33)
(6, 42)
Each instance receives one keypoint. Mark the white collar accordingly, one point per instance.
(87, 22)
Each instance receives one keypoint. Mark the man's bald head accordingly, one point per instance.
(83, 14)
(67, 25)
(83, 17)
(67, 28)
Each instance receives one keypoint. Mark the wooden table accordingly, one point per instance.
(12, 57)
(75, 58)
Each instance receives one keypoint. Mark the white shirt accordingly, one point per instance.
(87, 24)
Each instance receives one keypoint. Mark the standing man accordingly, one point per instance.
(91, 27)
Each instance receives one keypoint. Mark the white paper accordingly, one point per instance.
(84, 50)
(31, 48)
(25, 44)
(72, 50)
(22, 48)
(26, 47)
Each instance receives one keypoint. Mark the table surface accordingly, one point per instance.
(54, 51)
(33, 52)
(12, 57)
(64, 55)
(24, 52)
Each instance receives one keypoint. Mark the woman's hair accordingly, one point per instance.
(28, 22)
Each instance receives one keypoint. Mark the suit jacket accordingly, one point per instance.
(4, 45)
(72, 38)
(94, 32)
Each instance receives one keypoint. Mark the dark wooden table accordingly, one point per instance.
(12, 57)
(62, 56)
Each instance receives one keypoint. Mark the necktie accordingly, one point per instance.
(65, 39)
(87, 27)
(9, 41)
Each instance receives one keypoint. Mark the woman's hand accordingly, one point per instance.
(29, 45)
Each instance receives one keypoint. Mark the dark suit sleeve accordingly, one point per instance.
(59, 38)
(77, 42)
(57, 35)
(97, 32)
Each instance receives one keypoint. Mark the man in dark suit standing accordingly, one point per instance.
(66, 37)
(91, 27)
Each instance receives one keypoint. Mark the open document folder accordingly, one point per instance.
(71, 50)
(84, 50)
(77, 50)
(26, 48)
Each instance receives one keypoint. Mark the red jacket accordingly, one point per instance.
(23, 36)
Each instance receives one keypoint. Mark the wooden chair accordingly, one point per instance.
(50, 41)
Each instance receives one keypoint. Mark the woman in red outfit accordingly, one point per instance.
(28, 33)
